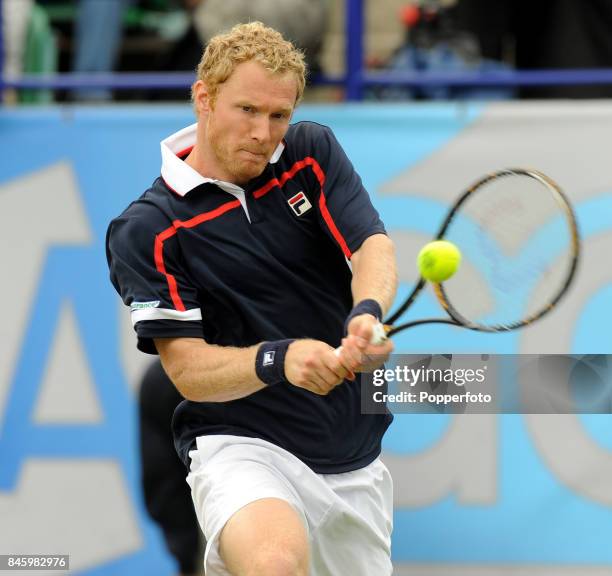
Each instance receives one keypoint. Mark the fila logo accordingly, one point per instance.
(268, 358)
(299, 203)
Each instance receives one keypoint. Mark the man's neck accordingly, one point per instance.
(194, 160)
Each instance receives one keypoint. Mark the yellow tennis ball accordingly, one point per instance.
(438, 261)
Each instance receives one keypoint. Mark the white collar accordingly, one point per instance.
(182, 178)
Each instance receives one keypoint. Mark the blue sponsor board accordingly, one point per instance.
(537, 514)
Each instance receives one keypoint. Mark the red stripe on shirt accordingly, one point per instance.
(332, 226)
(158, 251)
(280, 182)
(275, 182)
(325, 213)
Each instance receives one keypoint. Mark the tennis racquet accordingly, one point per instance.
(520, 248)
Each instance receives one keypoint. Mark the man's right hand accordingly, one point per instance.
(313, 365)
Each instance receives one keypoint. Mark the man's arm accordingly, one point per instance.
(207, 373)
(375, 271)
(203, 372)
(375, 278)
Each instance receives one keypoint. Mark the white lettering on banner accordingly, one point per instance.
(67, 375)
(496, 139)
(544, 336)
(563, 443)
(463, 463)
(50, 501)
(573, 457)
(570, 453)
(31, 223)
(567, 449)
(80, 506)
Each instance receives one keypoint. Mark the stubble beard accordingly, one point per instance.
(239, 171)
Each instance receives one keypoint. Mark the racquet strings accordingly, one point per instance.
(517, 238)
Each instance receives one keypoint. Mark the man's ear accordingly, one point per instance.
(201, 97)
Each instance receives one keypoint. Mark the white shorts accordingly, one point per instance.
(348, 516)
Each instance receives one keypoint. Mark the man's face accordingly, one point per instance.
(247, 121)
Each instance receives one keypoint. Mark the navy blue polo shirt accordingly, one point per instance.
(196, 257)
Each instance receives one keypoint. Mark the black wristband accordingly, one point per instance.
(270, 362)
(368, 306)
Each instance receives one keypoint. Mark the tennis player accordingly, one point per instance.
(252, 257)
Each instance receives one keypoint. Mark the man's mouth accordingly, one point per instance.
(256, 154)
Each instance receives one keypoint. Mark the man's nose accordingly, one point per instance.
(260, 128)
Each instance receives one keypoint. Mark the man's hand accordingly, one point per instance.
(313, 365)
(356, 353)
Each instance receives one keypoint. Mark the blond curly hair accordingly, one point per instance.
(246, 42)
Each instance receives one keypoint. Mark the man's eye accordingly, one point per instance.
(247, 109)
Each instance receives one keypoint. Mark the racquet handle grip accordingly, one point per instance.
(379, 334)
(378, 337)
